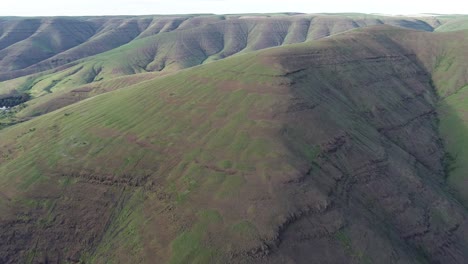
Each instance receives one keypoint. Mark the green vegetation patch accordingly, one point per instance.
(454, 25)
(122, 242)
(189, 246)
(244, 230)
(231, 186)
(453, 115)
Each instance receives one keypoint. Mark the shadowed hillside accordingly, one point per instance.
(337, 151)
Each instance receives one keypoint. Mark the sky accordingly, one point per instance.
(146, 7)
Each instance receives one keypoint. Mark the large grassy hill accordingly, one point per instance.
(347, 149)
(63, 60)
(30, 45)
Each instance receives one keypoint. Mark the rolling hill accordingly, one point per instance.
(50, 61)
(36, 44)
(341, 149)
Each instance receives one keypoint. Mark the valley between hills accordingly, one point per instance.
(257, 138)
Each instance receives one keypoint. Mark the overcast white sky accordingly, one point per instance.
(142, 7)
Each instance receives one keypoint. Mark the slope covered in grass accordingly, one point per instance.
(328, 150)
(31, 45)
(160, 44)
(454, 24)
(44, 43)
(444, 56)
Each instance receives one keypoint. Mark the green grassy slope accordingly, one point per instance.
(167, 44)
(161, 105)
(317, 150)
(444, 56)
(30, 45)
(454, 24)
(452, 83)
(161, 44)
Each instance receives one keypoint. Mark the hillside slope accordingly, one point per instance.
(328, 150)
(30, 45)
(56, 51)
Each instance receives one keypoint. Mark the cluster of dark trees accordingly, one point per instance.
(13, 99)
